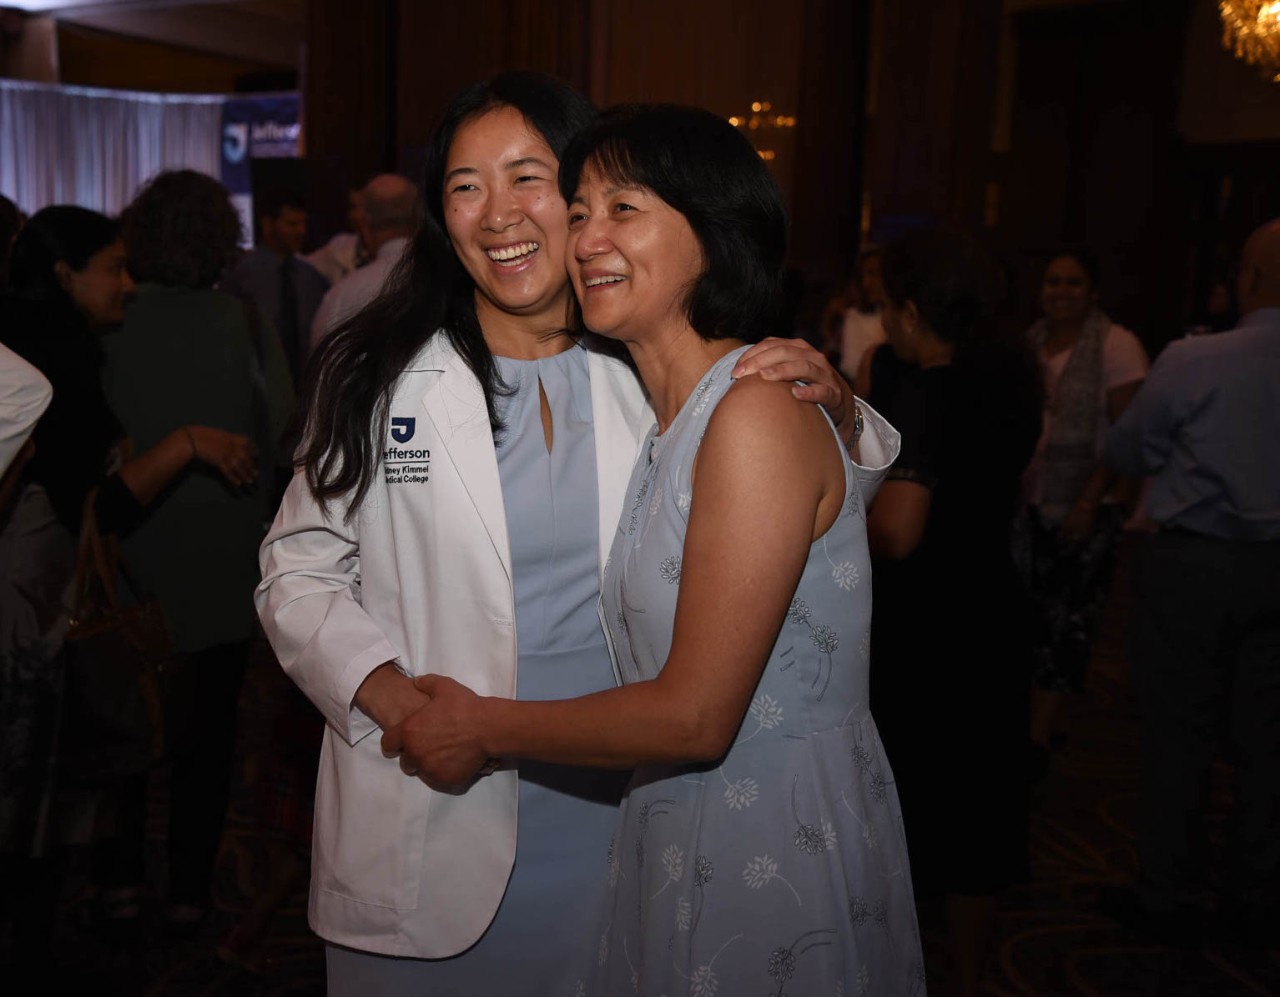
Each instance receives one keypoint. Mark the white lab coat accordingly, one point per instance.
(421, 577)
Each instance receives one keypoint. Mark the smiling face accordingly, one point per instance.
(1067, 294)
(101, 290)
(507, 220)
(632, 257)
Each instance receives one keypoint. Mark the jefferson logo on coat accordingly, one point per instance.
(402, 466)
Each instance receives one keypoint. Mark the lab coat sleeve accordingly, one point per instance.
(24, 395)
(309, 604)
(877, 450)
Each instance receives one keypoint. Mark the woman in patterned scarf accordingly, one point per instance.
(1074, 508)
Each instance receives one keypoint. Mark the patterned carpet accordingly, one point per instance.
(1050, 938)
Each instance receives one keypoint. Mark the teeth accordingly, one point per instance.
(597, 281)
(516, 252)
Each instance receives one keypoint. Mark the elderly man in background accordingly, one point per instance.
(344, 252)
(387, 221)
(1206, 615)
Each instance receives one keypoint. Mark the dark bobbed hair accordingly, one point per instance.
(60, 233)
(180, 230)
(948, 276)
(956, 286)
(1083, 255)
(354, 371)
(704, 168)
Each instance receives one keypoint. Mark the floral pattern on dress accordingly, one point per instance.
(732, 876)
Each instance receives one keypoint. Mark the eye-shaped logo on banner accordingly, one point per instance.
(235, 142)
(402, 429)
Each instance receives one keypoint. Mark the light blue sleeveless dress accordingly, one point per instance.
(782, 870)
(542, 941)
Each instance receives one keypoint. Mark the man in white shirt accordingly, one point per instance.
(344, 252)
(389, 218)
(861, 330)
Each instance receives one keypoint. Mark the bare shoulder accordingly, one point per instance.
(764, 442)
(766, 412)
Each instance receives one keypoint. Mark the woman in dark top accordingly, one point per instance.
(187, 353)
(948, 681)
(68, 283)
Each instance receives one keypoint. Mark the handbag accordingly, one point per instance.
(118, 654)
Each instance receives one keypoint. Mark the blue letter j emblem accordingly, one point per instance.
(402, 430)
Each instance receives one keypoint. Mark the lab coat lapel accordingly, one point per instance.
(455, 404)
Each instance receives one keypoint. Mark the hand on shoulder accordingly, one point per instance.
(762, 436)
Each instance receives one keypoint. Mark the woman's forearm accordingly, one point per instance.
(148, 474)
(618, 728)
(457, 732)
(387, 695)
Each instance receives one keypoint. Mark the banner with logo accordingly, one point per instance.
(255, 128)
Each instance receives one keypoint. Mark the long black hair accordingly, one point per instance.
(354, 372)
(62, 233)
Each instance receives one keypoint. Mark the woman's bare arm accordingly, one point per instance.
(769, 479)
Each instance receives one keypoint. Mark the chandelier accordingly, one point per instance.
(764, 129)
(1251, 29)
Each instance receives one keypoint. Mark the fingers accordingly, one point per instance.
(774, 352)
(822, 394)
(237, 459)
(393, 746)
(392, 741)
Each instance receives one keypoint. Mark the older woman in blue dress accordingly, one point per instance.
(760, 845)
(465, 471)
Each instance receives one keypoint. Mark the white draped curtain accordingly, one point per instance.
(95, 148)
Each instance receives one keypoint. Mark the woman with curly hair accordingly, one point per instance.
(69, 285)
(189, 354)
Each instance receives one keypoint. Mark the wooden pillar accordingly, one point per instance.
(438, 56)
(1095, 156)
(931, 130)
(349, 102)
(826, 194)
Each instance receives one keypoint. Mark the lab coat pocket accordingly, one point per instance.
(371, 822)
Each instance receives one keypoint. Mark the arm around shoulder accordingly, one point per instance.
(878, 448)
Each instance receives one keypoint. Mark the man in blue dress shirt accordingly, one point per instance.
(1206, 617)
(285, 287)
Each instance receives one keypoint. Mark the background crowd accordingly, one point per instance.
(165, 415)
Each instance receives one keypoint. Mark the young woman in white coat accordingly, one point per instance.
(464, 472)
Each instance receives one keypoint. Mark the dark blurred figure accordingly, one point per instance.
(186, 354)
(949, 654)
(1206, 613)
(345, 251)
(853, 327)
(284, 286)
(10, 224)
(69, 283)
(1068, 536)
(389, 216)
(1218, 312)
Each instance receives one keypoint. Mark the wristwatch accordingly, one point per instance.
(858, 426)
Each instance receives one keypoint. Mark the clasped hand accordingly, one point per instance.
(439, 742)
